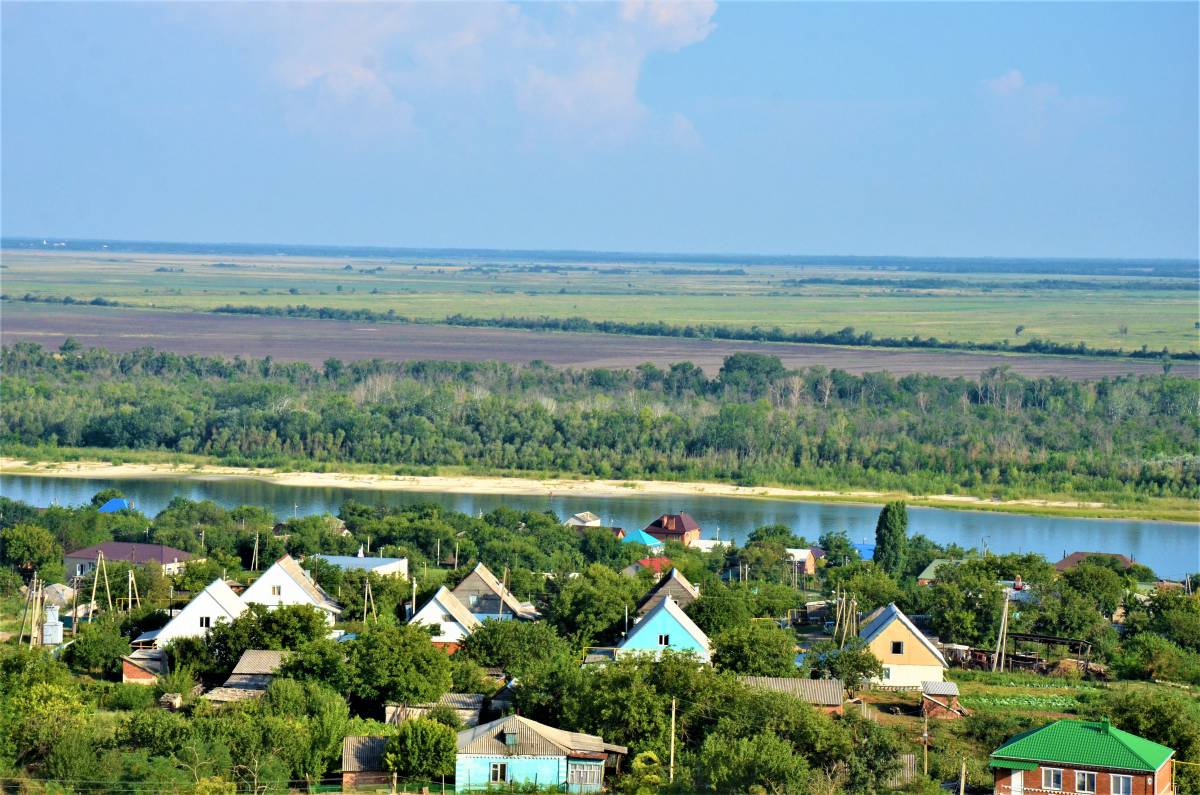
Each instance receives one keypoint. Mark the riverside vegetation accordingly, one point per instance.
(69, 727)
(1127, 440)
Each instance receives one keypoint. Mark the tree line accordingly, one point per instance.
(755, 422)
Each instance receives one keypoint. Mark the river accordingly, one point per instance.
(1172, 549)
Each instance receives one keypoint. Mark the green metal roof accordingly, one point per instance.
(1076, 742)
(1012, 764)
(930, 572)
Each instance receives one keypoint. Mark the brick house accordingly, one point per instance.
(675, 527)
(1081, 757)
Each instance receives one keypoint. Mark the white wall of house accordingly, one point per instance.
(433, 614)
(896, 675)
(199, 616)
(276, 587)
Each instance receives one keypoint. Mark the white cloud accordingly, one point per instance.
(569, 70)
(1033, 111)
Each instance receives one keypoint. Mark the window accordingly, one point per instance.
(473, 599)
(1121, 785)
(276, 590)
(499, 772)
(897, 647)
(585, 774)
(1085, 781)
(205, 622)
(887, 673)
(1051, 778)
(664, 640)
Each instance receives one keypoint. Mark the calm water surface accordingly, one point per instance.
(1172, 549)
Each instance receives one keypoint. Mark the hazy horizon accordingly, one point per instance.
(895, 130)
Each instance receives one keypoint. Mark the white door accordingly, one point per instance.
(1017, 782)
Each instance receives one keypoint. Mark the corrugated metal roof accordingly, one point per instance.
(132, 552)
(453, 701)
(533, 739)
(820, 692)
(355, 562)
(260, 661)
(674, 585)
(939, 688)
(1077, 742)
(362, 754)
(225, 695)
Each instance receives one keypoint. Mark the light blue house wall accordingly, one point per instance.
(473, 771)
(643, 636)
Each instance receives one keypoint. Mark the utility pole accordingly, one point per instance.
(414, 596)
(925, 747)
(439, 553)
(672, 768)
(1001, 639)
(962, 779)
(254, 557)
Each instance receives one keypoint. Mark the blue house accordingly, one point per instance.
(642, 537)
(666, 626)
(514, 751)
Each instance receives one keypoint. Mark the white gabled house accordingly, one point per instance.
(450, 617)
(214, 605)
(285, 583)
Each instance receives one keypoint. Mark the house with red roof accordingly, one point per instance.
(1083, 757)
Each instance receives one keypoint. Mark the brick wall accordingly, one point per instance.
(1143, 783)
(367, 779)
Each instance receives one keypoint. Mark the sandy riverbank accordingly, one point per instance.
(468, 484)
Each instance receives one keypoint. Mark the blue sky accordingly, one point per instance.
(940, 130)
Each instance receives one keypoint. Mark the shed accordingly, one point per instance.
(250, 677)
(362, 762)
(940, 700)
(827, 695)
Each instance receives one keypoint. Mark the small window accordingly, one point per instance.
(499, 772)
(473, 599)
(897, 647)
(664, 640)
(1051, 778)
(887, 673)
(1085, 781)
(1121, 785)
(276, 590)
(205, 622)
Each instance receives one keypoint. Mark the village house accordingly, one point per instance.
(674, 586)
(250, 677)
(82, 562)
(584, 519)
(486, 597)
(516, 751)
(929, 574)
(384, 567)
(908, 657)
(675, 527)
(467, 706)
(666, 627)
(657, 565)
(285, 583)
(450, 618)
(1075, 558)
(212, 606)
(802, 560)
(645, 539)
(826, 695)
(1084, 757)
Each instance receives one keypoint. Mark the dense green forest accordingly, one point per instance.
(754, 423)
(69, 724)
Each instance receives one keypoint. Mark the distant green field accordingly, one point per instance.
(975, 308)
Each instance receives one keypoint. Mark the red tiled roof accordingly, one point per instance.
(132, 552)
(658, 565)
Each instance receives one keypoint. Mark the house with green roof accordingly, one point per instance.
(1081, 757)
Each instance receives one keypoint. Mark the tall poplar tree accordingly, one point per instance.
(891, 535)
